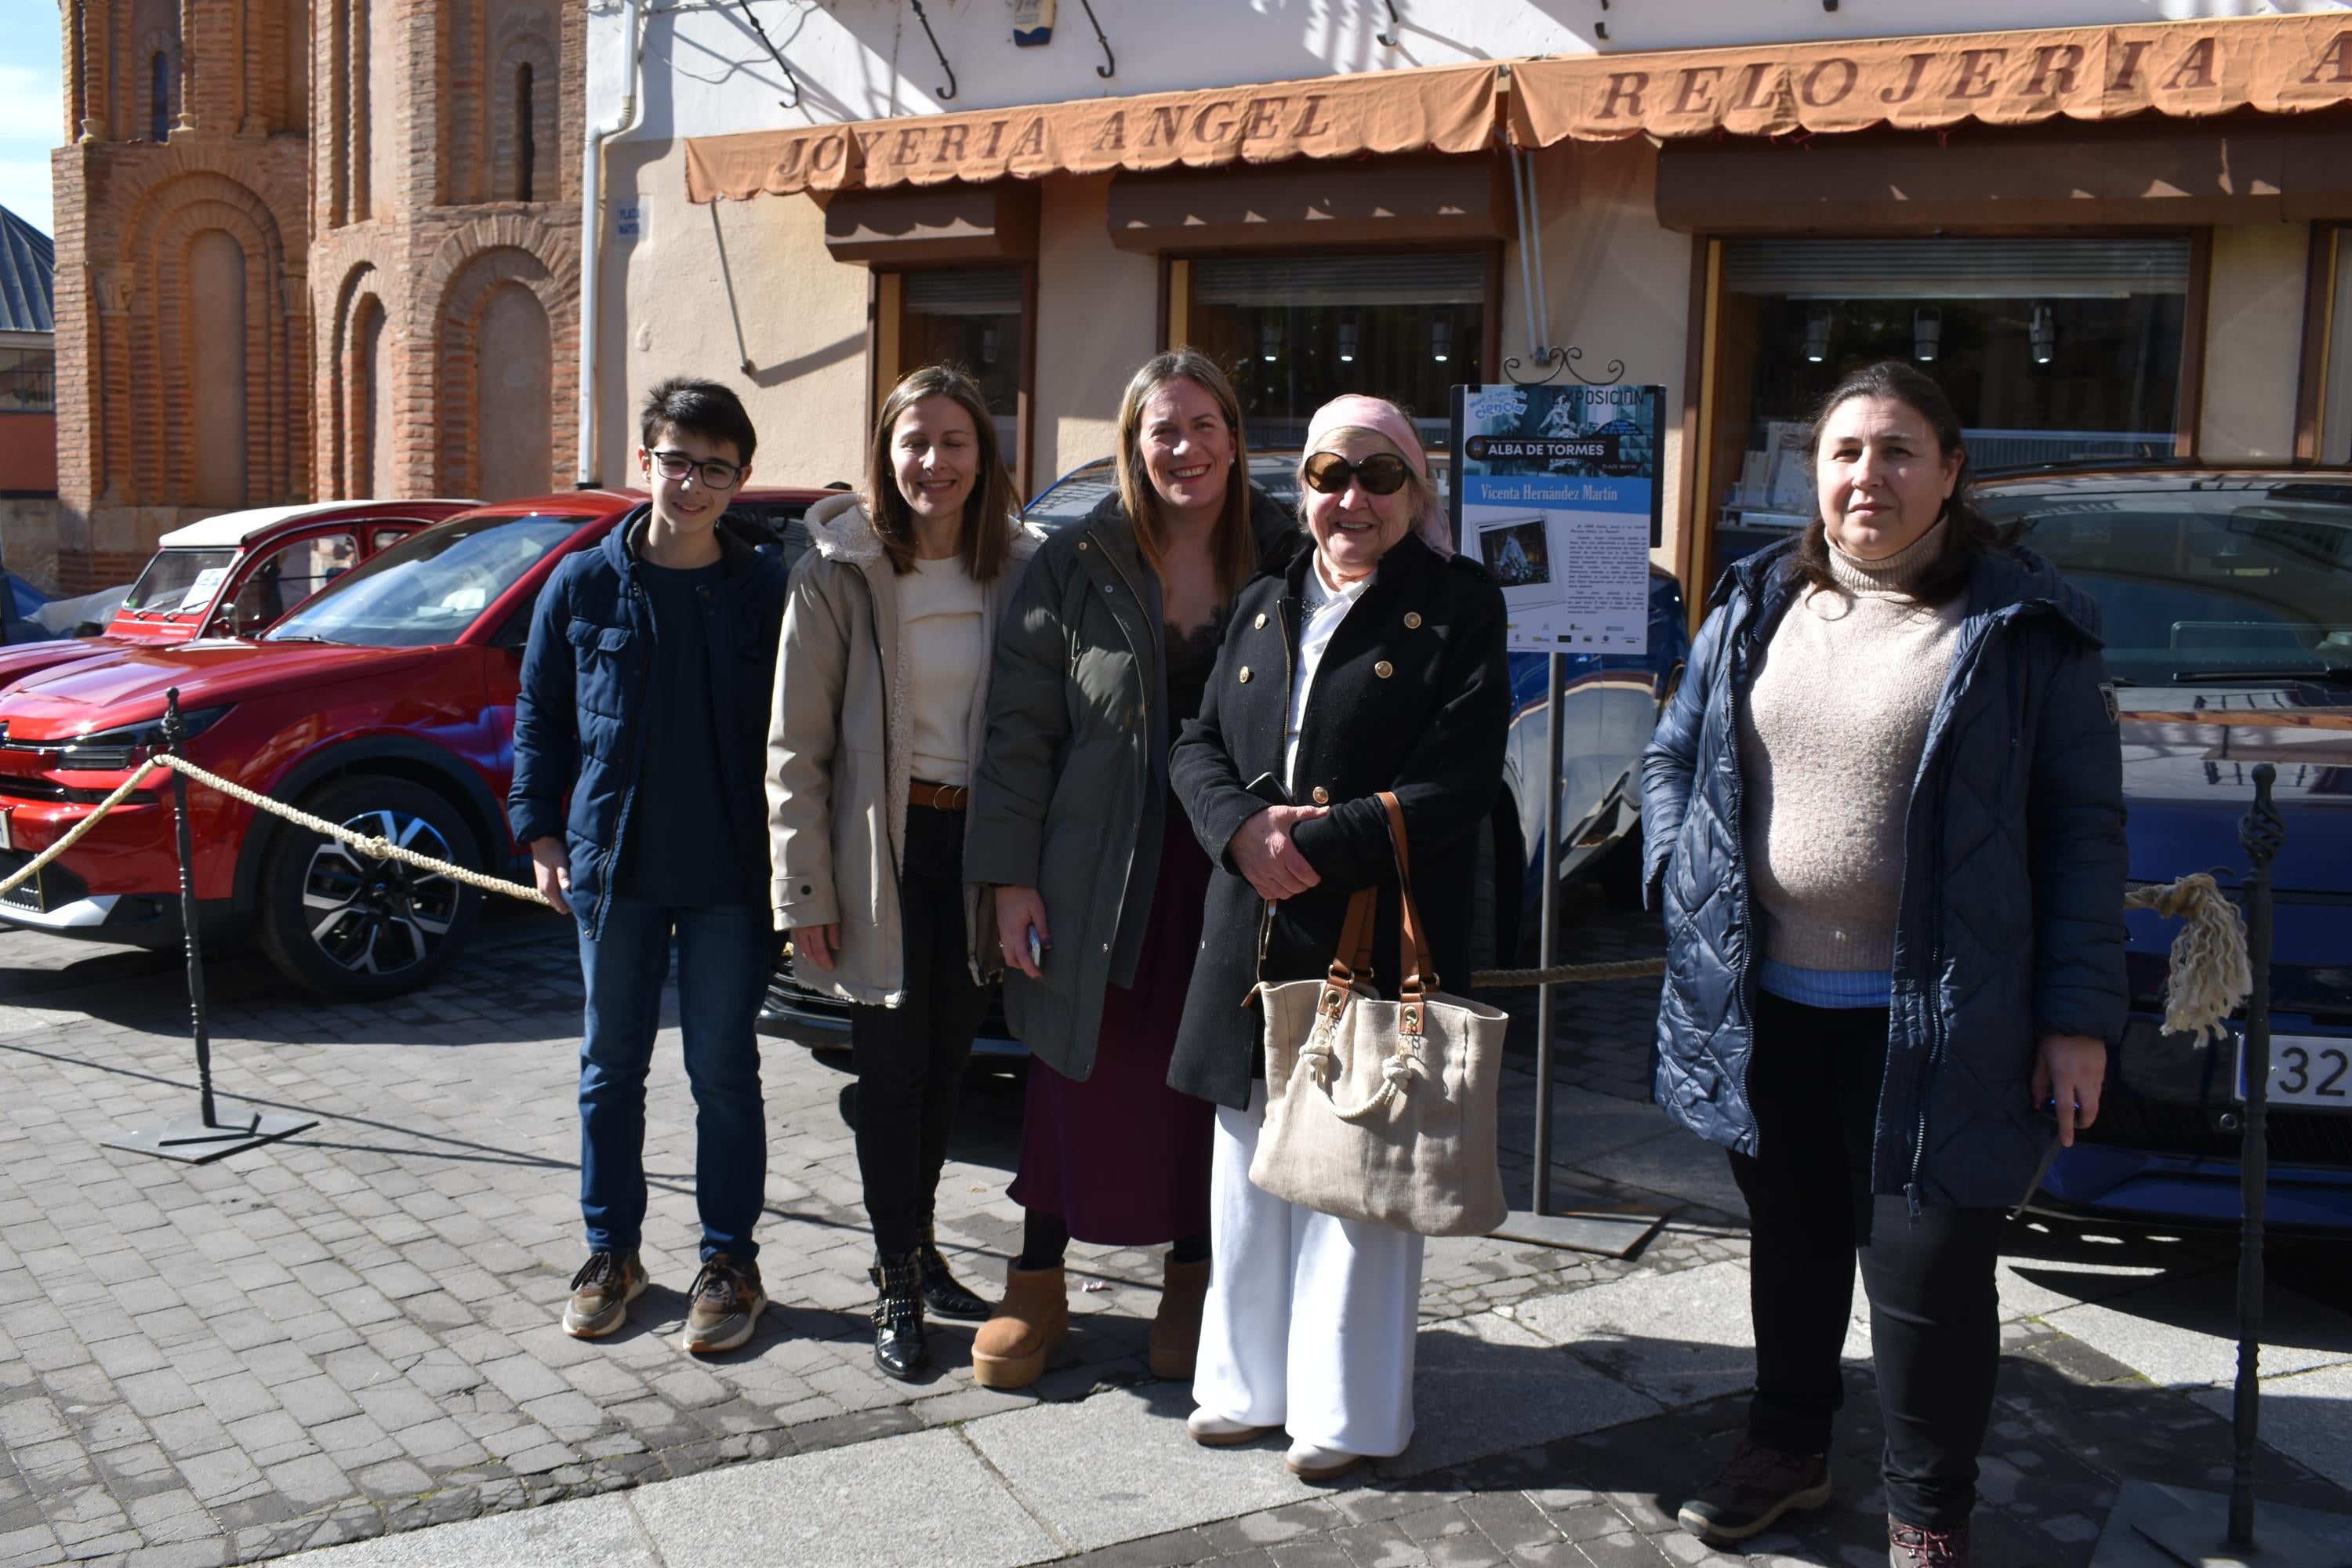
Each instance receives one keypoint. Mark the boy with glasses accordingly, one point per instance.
(646, 692)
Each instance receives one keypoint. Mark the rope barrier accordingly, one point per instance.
(373, 844)
(2209, 973)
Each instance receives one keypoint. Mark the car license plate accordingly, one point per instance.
(7, 834)
(2307, 1071)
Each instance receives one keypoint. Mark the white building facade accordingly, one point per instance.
(2111, 226)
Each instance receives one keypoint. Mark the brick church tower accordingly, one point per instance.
(310, 248)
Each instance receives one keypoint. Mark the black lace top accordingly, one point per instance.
(1189, 660)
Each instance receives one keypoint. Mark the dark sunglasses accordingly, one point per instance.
(716, 473)
(1381, 474)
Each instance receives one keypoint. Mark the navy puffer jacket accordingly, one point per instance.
(579, 728)
(2011, 925)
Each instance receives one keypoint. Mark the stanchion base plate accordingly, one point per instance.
(2158, 1526)
(1580, 1225)
(188, 1140)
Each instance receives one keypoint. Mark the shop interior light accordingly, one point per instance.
(988, 345)
(1441, 338)
(1347, 339)
(1269, 340)
(1817, 335)
(1926, 333)
(2043, 334)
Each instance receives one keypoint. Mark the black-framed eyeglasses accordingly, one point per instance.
(1381, 474)
(716, 473)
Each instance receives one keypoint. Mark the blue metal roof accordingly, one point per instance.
(29, 271)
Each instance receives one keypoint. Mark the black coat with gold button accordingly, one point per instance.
(1413, 695)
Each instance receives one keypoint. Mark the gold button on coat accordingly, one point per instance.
(1412, 620)
(1245, 675)
(1322, 795)
(1082, 544)
(1384, 669)
(1260, 622)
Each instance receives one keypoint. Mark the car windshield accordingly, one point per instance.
(1070, 498)
(428, 588)
(2202, 579)
(179, 582)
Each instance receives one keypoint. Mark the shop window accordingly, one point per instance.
(2052, 351)
(2335, 388)
(970, 317)
(1295, 331)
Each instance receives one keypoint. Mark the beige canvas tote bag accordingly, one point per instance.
(1383, 1110)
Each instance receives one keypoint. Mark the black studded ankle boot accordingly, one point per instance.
(899, 1348)
(944, 1295)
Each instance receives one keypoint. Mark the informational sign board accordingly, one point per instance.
(1556, 490)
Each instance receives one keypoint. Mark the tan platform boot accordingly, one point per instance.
(1176, 1327)
(1011, 1348)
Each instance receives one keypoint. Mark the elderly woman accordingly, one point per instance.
(1375, 662)
(1114, 632)
(1886, 810)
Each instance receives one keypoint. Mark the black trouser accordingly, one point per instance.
(1935, 1323)
(910, 1059)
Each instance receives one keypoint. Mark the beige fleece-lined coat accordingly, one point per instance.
(839, 748)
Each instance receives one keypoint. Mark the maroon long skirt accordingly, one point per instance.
(1122, 1158)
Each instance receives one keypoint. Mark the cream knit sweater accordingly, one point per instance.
(1830, 739)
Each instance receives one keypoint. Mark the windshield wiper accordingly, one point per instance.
(2215, 677)
(307, 637)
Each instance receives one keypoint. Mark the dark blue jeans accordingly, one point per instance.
(723, 956)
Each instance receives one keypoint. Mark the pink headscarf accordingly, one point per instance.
(1383, 418)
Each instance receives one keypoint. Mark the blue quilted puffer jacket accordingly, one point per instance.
(2011, 925)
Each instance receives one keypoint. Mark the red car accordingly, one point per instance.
(385, 703)
(234, 574)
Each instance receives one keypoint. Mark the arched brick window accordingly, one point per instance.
(159, 96)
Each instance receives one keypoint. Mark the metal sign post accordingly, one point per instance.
(215, 1129)
(1592, 1223)
(2204, 1537)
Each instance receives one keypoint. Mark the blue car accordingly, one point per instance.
(2227, 601)
(1611, 705)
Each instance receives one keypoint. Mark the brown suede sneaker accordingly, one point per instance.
(723, 1305)
(601, 1294)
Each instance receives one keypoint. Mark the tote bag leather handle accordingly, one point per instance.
(1354, 958)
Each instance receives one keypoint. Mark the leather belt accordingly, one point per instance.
(938, 797)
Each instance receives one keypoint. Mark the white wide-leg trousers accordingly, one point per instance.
(1311, 1318)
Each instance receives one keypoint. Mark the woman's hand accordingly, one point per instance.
(2069, 1068)
(550, 871)
(1269, 859)
(1017, 910)
(821, 945)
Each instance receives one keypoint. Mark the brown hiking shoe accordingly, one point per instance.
(1916, 1546)
(601, 1294)
(1756, 1488)
(723, 1305)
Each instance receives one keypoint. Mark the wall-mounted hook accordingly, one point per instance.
(1110, 67)
(794, 82)
(1389, 40)
(948, 91)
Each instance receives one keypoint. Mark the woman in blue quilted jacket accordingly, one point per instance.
(1886, 815)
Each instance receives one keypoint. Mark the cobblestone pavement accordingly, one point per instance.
(354, 1331)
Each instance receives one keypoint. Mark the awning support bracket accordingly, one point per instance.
(950, 91)
(1110, 67)
(1545, 357)
(1388, 40)
(776, 54)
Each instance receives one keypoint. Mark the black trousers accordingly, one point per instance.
(910, 1059)
(1935, 1323)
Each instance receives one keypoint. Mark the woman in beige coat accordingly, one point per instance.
(881, 706)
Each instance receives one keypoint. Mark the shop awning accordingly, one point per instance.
(2272, 64)
(1445, 109)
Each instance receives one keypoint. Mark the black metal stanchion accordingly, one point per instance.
(2205, 1536)
(214, 1129)
(1590, 1225)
